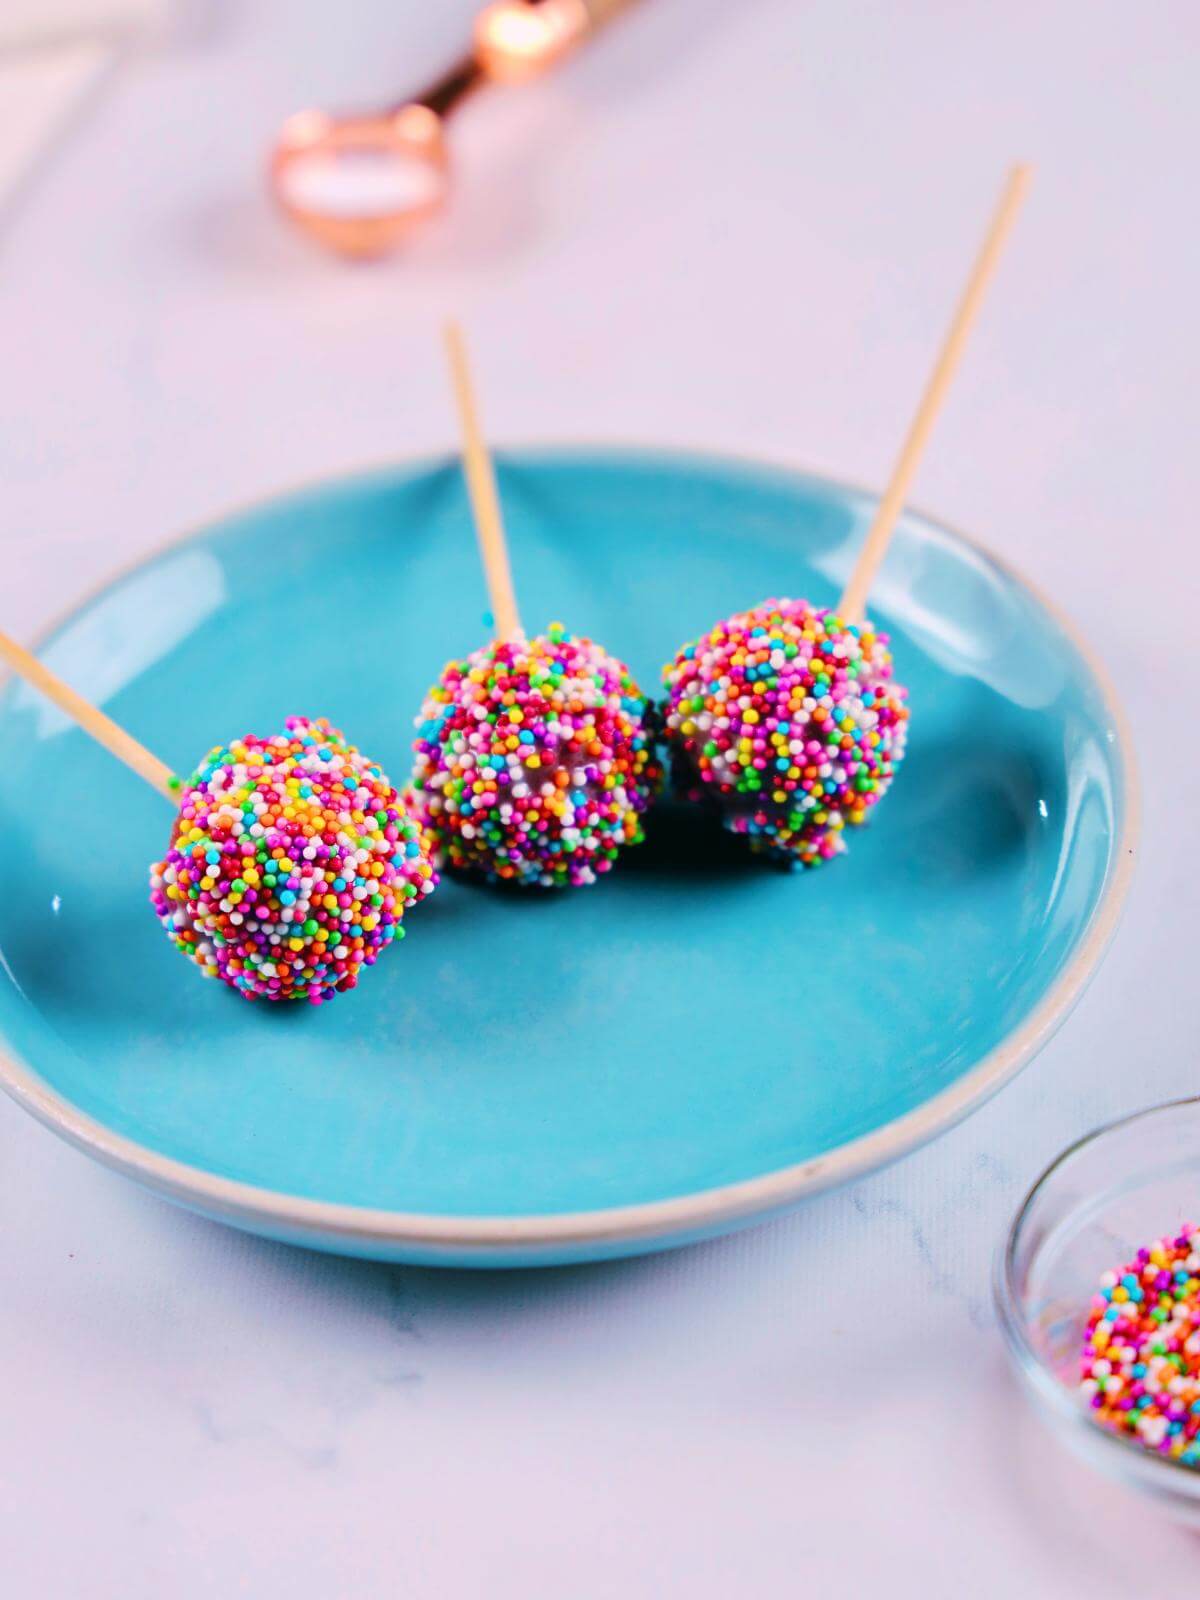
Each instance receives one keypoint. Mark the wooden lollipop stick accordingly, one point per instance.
(855, 597)
(481, 484)
(91, 719)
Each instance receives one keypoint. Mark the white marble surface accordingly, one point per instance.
(728, 225)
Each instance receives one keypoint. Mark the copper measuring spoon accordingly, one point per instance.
(360, 184)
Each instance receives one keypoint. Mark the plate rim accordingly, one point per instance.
(703, 1210)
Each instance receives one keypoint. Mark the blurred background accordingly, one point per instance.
(728, 226)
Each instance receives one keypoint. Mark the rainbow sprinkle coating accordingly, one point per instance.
(790, 720)
(535, 761)
(1140, 1367)
(291, 865)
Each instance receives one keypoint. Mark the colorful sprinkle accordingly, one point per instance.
(534, 760)
(291, 865)
(1140, 1368)
(787, 718)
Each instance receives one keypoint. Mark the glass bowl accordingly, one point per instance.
(1114, 1191)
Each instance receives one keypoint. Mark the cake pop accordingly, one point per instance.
(787, 717)
(535, 756)
(292, 859)
(790, 719)
(291, 864)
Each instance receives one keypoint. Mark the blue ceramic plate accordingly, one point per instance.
(693, 1043)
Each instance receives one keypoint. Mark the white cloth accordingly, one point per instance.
(28, 23)
(52, 53)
